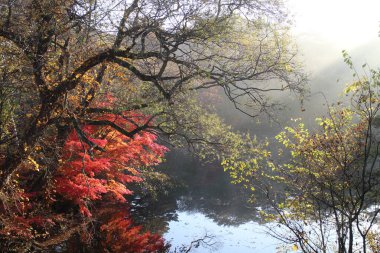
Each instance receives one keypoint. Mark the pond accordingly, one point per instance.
(209, 205)
(245, 238)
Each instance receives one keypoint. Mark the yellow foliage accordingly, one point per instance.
(34, 163)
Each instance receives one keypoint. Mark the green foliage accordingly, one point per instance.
(327, 180)
(60, 59)
(246, 161)
(154, 185)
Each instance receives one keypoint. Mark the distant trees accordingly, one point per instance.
(326, 196)
(62, 62)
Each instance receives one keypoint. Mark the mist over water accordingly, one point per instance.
(211, 204)
(328, 76)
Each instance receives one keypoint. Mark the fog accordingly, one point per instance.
(322, 30)
(340, 24)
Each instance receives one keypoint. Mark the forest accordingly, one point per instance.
(118, 119)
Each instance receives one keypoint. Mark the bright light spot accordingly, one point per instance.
(347, 23)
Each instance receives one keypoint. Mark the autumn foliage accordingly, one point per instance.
(120, 235)
(102, 176)
(96, 166)
(89, 175)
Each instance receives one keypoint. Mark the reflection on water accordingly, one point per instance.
(208, 204)
(247, 237)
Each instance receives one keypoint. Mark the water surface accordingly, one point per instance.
(245, 238)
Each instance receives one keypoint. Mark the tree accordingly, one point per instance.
(67, 49)
(122, 236)
(329, 188)
(87, 176)
(88, 183)
(59, 59)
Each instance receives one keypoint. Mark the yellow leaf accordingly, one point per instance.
(36, 165)
(294, 247)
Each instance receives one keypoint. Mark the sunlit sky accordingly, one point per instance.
(347, 23)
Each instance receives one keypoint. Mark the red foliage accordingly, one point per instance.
(89, 177)
(95, 176)
(19, 226)
(121, 236)
(101, 176)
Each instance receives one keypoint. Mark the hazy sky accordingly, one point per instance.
(348, 23)
(323, 28)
